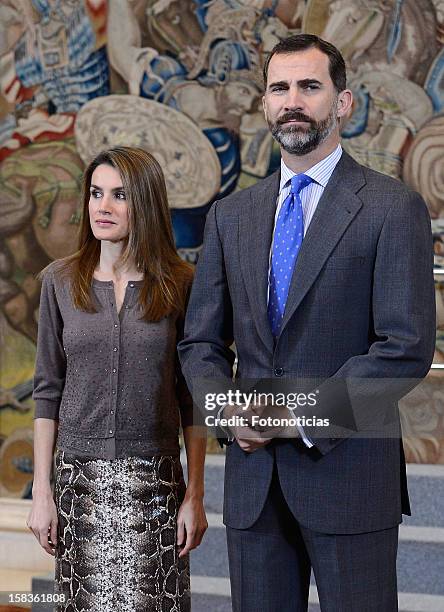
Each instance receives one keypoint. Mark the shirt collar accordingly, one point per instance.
(320, 172)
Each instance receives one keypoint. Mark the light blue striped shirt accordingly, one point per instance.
(310, 196)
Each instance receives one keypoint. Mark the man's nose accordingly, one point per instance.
(293, 100)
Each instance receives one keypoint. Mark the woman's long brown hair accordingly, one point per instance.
(150, 242)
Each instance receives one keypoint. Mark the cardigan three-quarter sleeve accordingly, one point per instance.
(50, 367)
(184, 399)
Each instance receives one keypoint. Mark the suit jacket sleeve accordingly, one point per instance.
(204, 350)
(403, 308)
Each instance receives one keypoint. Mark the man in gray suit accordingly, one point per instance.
(320, 271)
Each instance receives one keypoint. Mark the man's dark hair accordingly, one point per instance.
(301, 42)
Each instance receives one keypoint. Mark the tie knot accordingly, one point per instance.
(299, 181)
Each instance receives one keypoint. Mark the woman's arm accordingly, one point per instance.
(191, 521)
(42, 519)
(49, 382)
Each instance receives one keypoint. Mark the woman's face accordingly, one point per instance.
(108, 207)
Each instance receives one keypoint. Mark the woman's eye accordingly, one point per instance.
(95, 194)
(120, 195)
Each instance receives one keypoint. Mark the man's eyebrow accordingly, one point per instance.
(278, 84)
(301, 83)
(92, 186)
(305, 82)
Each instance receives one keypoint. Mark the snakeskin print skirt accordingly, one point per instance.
(117, 535)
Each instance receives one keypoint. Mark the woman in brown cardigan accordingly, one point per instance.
(110, 396)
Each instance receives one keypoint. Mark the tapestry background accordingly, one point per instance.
(180, 77)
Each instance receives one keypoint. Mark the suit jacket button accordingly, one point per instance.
(279, 371)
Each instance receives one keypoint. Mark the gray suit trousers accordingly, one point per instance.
(270, 564)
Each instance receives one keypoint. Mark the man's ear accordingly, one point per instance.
(263, 106)
(345, 103)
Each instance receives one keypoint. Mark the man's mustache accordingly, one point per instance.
(294, 116)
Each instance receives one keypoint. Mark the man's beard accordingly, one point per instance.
(298, 140)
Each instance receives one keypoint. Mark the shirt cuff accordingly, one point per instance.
(47, 409)
(306, 439)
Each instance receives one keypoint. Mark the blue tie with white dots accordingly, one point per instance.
(287, 241)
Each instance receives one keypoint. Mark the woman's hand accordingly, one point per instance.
(191, 524)
(42, 521)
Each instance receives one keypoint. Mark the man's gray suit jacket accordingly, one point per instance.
(360, 305)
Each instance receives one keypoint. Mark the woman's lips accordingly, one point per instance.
(104, 223)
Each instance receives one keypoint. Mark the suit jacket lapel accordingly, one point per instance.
(256, 231)
(335, 211)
